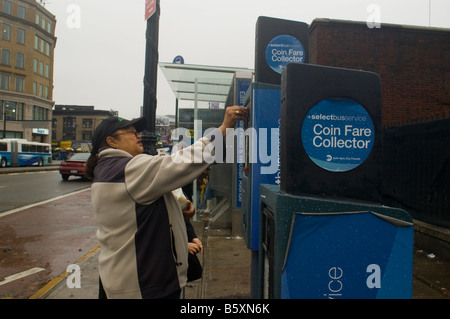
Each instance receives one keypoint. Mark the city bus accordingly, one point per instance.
(20, 152)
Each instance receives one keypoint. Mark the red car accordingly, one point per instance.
(75, 165)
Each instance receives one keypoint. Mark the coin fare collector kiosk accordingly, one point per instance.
(323, 231)
(277, 43)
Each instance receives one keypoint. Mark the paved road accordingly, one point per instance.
(21, 189)
(42, 230)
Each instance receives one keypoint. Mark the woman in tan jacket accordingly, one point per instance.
(140, 223)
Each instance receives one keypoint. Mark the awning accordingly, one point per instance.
(212, 82)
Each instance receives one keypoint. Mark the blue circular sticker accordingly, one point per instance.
(338, 134)
(282, 50)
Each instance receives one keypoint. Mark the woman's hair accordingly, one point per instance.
(92, 162)
(106, 128)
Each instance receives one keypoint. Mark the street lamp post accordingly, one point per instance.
(150, 80)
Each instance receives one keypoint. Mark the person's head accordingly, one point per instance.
(116, 133)
(127, 139)
(119, 133)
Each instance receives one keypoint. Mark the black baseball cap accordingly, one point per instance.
(111, 124)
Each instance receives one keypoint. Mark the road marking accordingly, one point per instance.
(13, 211)
(21, 275)
(44, 291)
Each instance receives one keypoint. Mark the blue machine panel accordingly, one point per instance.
(262, 152)
(356, 255)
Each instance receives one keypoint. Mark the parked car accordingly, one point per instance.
(75, 165)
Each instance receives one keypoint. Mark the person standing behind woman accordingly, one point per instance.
(141, 228)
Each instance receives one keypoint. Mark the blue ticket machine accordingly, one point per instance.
(324, 232)
(316, 248)
(261, 154)
(352, 255)
(261, 159)
(278, 42)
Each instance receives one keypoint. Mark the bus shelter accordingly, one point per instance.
(202, 83)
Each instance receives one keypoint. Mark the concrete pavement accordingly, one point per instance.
(226, 271)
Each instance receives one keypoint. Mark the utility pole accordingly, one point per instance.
(150, 80)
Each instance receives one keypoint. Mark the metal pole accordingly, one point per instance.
(3, 112)
(196, 137)
(150, 80)
(176, 113)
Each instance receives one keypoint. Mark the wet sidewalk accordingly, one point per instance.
(227, 271)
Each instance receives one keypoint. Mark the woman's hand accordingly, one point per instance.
(189, 212)
(232, 115)
(195, 247)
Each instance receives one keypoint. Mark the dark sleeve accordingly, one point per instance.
(190, 230)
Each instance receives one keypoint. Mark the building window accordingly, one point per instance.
(41, 45)
(6, 32)
(34, 88)
(19, 111)
(35, 65)
(87, 123)
(10, 110)
(20, 36)
(4, 85)
(22, 12)
(19, 84)
(46, 92)
(86, 136)
(47, 71)
(69, 128)
(38, 19)
(49, 27)
(41, 68)
(7, 7)
(5, 57)
(13, 110)
(20, 60)
(39, 113)
(41, 90)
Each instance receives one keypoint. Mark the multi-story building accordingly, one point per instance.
(27, 48)
(75, 124)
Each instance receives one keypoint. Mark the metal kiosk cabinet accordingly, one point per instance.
(261, 154)
(261, 157)
(324, 232)
(320, 248)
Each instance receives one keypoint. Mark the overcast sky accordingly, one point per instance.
(100, 51)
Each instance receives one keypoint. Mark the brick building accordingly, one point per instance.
(73, 124)
(413, 63)
(27, 47)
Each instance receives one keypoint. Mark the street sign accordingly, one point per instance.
(338, 134)
(150, 8)
(178, 60)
